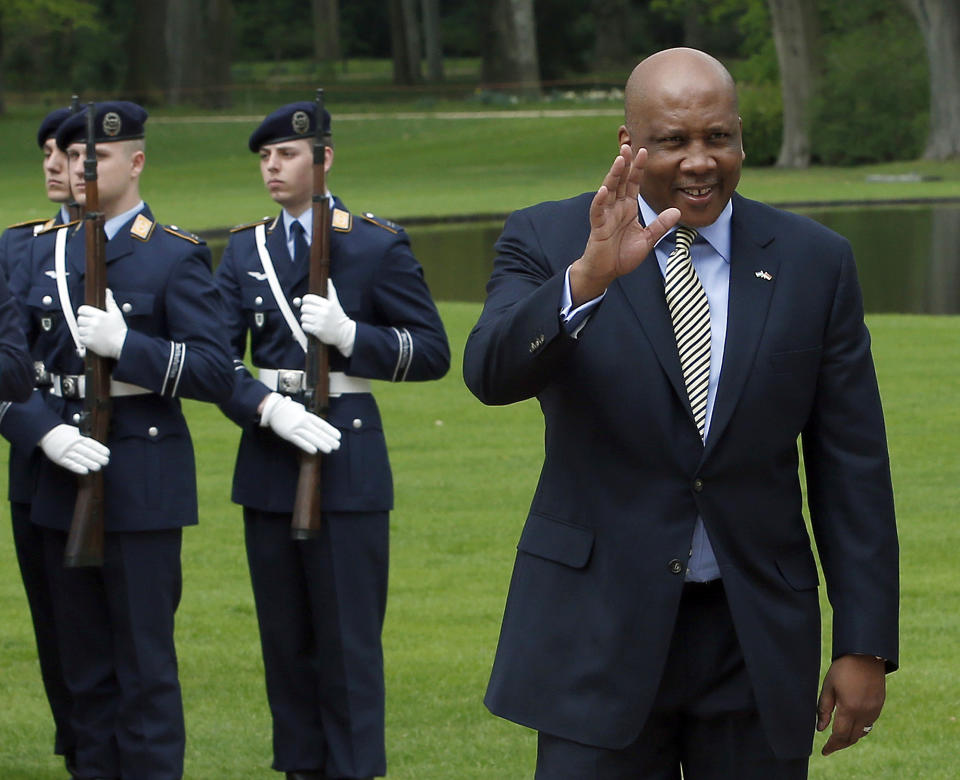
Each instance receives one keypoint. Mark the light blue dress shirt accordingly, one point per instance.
(305, 220)
(112, 225)
(710, 255)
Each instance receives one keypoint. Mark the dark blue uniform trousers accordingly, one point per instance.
(704, 718)
(115, 626)
(28, 541)
(320, 606)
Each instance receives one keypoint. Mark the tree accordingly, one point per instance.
(431, 39)
(510, 58)
(326, 31)
(939, 22)
(405, 42)
(796, 36)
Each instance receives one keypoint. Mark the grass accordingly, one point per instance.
(464, 476)
(465, 473)
(201, 176)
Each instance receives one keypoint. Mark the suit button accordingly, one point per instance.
(697, 485)
(76, 417)
(127, 307)
(297, 301)
(152, 431)
(357, 422)
(675, 566)
(258, 300)
(46, 300)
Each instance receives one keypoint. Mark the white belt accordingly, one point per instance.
(291, 381)
(74, 385)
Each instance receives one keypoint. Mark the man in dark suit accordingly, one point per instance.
(664, 611)
(320, 602)
(27, 537)
(161, 326)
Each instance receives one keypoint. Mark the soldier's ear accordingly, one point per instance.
(328, 159)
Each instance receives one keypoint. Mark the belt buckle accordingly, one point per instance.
(70, 387)
(41, 377)
(289, 381)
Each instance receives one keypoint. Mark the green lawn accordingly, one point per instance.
(464, 476)
(200, 174)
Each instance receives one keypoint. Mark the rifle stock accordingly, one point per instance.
(305, 523)
(85, 539)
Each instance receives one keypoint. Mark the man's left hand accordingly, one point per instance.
(102, 331)
(854, 686)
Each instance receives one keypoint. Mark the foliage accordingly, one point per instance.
(871, 108)
(762, 115)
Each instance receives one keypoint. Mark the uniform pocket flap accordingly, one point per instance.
(258, 298)
(557, 541)
(799, 569)
(134, 304)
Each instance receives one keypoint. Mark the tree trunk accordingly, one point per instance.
(944, 279)
(795, 35)
(510, 60)
(218, 55)
(405, 42)
(611, 43)
(146, 77)
(939, 21)
(326, 32)
(431, 39)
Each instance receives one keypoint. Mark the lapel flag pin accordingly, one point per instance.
(763, 275)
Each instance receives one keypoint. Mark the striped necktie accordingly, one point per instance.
(690, 313)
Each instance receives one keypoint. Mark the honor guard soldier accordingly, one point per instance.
(320, 602)
(162, 329)
(28, 538)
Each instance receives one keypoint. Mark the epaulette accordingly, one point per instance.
(173, 230)
(249, 225)
(57, 227)
(142, 227)
(341, 221)
(386, 224)
(29, 223)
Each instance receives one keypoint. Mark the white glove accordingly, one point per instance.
(102, 331)
(69, 448)
(291, 421)
(325, 319)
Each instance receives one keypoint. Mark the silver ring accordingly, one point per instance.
(867, 729)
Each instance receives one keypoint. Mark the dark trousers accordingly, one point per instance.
(320, 606)
(704, 719)
(28, 541)
(115, 625)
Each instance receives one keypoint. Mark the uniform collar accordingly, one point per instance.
(112, 226)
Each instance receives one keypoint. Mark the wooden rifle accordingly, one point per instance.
(85, 540)
(305, 523)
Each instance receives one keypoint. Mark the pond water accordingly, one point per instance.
(908, 257)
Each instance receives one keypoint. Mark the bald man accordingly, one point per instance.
(663, 614)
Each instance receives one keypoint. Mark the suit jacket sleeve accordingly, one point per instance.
(519, 343)
(16, 366)
(849, 490)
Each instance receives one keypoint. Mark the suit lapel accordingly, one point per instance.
(749, 301)
(643, 289)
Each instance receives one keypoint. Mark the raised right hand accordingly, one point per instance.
(70, 449)
(618, 243)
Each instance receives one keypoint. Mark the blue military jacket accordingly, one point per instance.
(399, 337)
(15, 248)
(174, 347)
(16, 367)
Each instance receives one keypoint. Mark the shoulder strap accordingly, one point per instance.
(281, 299)
(60, 267)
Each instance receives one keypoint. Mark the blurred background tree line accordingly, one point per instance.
(821, 81)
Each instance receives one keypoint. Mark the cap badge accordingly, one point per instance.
(111, 124)
(301, 122)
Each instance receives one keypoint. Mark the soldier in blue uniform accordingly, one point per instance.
(161, 326)
(27, 538)
(320, 602)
